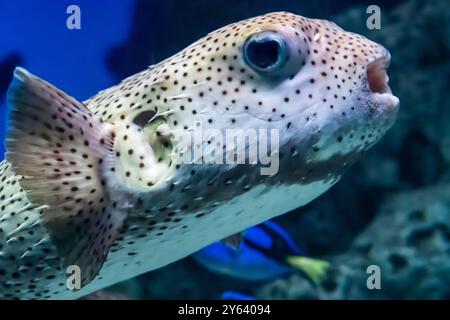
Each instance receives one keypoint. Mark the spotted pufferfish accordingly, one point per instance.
(94, 184)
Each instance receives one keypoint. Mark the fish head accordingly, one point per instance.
(319, 96)
(324, 90)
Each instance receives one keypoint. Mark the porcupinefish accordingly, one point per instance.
(95, 185)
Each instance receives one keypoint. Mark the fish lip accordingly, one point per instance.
(377, 82)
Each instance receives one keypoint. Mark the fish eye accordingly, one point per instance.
(265, 52)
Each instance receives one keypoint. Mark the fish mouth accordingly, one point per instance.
(377, 78)
(377, 82)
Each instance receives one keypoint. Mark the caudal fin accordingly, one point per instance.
(315, 269)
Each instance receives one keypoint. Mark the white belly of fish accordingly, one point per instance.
(238, 214)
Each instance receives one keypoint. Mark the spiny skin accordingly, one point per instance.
(320, 101)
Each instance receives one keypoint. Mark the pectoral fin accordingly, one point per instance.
(63, 152)
(233, 241)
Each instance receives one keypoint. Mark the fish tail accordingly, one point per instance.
(315, 269)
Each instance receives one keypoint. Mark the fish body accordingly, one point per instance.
(100, 186)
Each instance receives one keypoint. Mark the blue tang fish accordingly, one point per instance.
(265, 252)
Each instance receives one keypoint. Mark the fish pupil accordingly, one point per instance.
(264, 54)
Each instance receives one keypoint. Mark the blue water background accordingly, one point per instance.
(73, 60)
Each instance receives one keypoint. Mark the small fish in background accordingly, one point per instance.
(231, 295)
(265, 252)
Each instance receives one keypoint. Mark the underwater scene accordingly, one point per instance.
(225, 149)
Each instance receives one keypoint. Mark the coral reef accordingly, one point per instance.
(409, 240)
